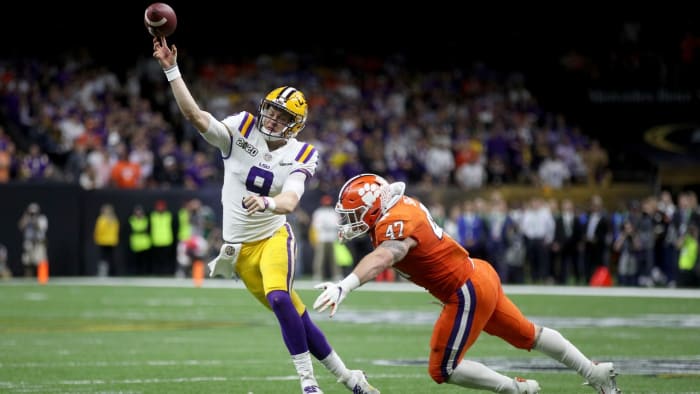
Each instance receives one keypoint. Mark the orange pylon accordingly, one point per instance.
(42, 272)
(198, 273)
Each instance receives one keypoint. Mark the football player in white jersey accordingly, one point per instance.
(265, 172)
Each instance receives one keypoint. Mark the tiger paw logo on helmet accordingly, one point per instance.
(369, 193)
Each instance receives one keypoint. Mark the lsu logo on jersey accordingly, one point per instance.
(247, 147)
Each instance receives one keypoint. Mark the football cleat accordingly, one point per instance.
(602, 379)
(311, 389)
(527, 386)
(358, 384)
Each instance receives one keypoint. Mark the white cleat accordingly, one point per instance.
(358, 384)
(527, 386)
(310, 387)
(602, 379)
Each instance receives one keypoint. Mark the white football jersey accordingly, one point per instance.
(251, 168)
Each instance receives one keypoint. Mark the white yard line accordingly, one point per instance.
(374, 286)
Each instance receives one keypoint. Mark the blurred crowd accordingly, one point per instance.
(650, 242)
(74, 121)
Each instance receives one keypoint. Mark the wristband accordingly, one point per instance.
(172, 72)
(350, 283)
(270, 204)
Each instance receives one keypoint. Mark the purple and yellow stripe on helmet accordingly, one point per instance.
(247, 125)
(306, 152)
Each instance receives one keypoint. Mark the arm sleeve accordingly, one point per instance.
(218, 135)
(296, 183)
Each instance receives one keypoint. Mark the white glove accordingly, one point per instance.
(225, 263)
(334, 293)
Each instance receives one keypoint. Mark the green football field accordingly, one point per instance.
(136, 336)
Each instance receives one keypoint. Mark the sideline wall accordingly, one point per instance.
(72, 212)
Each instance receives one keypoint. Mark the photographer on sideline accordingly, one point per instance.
(33, 225)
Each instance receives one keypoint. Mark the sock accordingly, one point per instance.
(553, 344)
(293, 332)
(302, 363)
(336, 366)
(317, 342)
(476, 375)
(321, 349)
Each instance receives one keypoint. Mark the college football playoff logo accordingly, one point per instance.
(229, 250)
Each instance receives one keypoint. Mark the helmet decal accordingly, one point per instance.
(361, 202)
(288, 100)
(369, 193)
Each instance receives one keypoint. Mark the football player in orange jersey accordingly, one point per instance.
(406, 238)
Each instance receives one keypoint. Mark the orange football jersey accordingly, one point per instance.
(437, 263)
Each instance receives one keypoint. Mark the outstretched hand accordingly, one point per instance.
(333, 294)
(166, 56)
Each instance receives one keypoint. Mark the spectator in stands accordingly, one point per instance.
(553, 172)
(35, 165)
(76, 163)
(5, 139)
(371, 152)
(566, 151)
(199, 172)
(125, 174)
(470, 172)
(439, 160)
(142, 155)
(98, 171)
(597, 164)
(6, 158)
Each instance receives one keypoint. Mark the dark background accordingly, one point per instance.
(433, 32)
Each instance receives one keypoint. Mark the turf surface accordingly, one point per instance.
(75, 338)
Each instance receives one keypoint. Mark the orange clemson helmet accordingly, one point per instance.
(361, 202)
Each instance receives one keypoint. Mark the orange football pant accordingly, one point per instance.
(479, 305)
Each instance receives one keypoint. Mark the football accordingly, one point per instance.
(160, 19)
